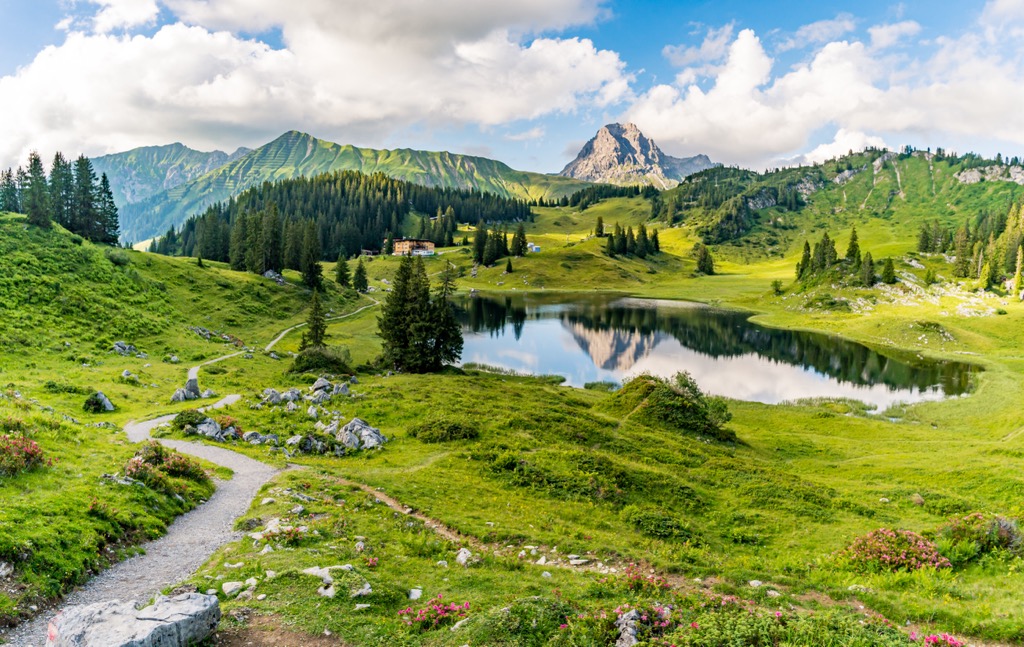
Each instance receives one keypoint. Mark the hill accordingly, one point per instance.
(296, 154)
(142, 172)
(621, 154)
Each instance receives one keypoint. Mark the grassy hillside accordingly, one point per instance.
(296, 154)
(141, 172)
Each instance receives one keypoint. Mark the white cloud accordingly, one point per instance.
(843, 142)
(536, 132)
(818, 32)
(348, 70)
(885, 36)
(963, 89)
(711, 50)
(122, 14)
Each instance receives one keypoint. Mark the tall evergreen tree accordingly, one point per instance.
(395, 321)
(655, 243)
(609, 247)
(341, 273)
(84, 219)
(853, 249)
(962, 247)
(236, 249)
(1017, 288)
(803, 266)
(389, 245)
(9, 197)
(620, 240)
(705, 262)
(867, 270)
(519, 241)
(316, 325)
(888, 272)
(312, 271)
(62, 190)
(447, 346)
(480, 238)
(492, 250)
(642, 242)
(630, 241)
(359, 280)
(599, 227)
(271, 244)
(37, 194)
(106, 213)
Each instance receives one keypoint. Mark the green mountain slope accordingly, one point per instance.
(142, 172)
(297, 154)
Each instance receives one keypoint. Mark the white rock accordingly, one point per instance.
(463, 557)
(545, 574)
(360, 607)
(364, 591)
(415, 594)
(261, 597)
(268, 501)
(6, 570)
(252, 581)
(755, 583)
(542, 561)
(238, 565)
(327, 590)
(231, 588)
(169, 622)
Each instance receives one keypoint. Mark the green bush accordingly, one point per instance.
(51, 386)
(93, 404)
(118, 257)
(679, 405)
(607, 387)
(188, 418)
(443, 430)
(654, 522)
(965, 539)
(322, 359)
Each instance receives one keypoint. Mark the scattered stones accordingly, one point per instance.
(186, 619)
(364, 591)
(463, 557)
(627, 629)
(122, 348)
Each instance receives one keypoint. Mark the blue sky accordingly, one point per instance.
(749, 83)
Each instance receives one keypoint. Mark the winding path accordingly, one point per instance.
(190, 540)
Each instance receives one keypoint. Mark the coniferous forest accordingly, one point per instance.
(266, 227)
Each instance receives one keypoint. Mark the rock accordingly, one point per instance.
(357, 434)
(321, 397)
(126, 374)
(290, 407)
(291, 395)
(121, 348)
(274, 355)
(578, 562)
(211, 429)
(327, 591)
(755, 584)
(261, 597)
(883, 500)
(267, 550)
(235, 565)
(360, 546)
(322, 384)
(443, 564)
(463, 557)
(230, 589)
(268, 501)
(186, 619)
(251, 582)
(545, 574)
(104, 401)
(274, 276)
(415, 594)
(173, 359)
(360, 607)
(353, 380)
(6, 570)
(297, 510)
(312, 412)
(181, 395)
(192, 386)
(542, 561)
(627, 629)
(209, 393)
(364, 591)
(293, 441)
(252, 437)
(772, 593)
(340, 389)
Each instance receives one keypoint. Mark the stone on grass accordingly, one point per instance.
(192, 386)
(6, 570)
(463, 556)
(321, 384)
(755, 583)
(231, 588)
(358, 434)
(364, 591)
(327, 591)
(186, 619)
(627, 629)
(415, 594)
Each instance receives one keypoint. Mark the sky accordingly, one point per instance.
(750, 83)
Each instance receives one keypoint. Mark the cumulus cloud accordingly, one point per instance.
(711, 50)
(818, 32)
(966, 88)
(120, 14)
(349, 70)
(884, 36)
(843, 142)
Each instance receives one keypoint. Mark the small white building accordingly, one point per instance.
(531, 247)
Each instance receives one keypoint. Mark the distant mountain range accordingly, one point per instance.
(621, 154)
(148, 211)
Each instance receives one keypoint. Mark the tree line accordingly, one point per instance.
(348, 210)
(857, 269)
(623, 242)
(71, 196)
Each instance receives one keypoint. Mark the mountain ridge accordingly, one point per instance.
(621, 154)
(295, 154)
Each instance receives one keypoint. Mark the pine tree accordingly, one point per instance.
(480, 239)
(9, 193)
(705, 262)
(37, 193)
(867, 270)
(84, 220)
(519, 241)
(803, 267)
(962, 245)
(236, 248)
(106, 213)
(389, 245)
(294, 234)
(341, 273)
(610, 246)
(642, 242)
(655, 243)
(599, 227)
(492, 250)
(924, 240)
(888, 272)
(316, 325)
(312, 271)
(508, 266)
(359, 280)
(271, 243)
(1017, 289)
(62, 190)
(853, 249)
(395, 321)
(199, 261)
(447, 347)
(630, 242)
(620, 240)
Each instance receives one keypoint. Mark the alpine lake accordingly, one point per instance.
(605, 338)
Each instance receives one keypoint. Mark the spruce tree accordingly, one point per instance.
(37, 193)
(389, 245)
(316, 325)
(630, 241)
(395, 320)
(642, 242)
(962, 247)
(508, 266)
(803, 267)
(359, 280)
(447, 346)
(888, 272)
(9, 192)
(492, 250)
(84, 220)
(341, 273)
(655, 243)
(705, 262)
(853, 249)
(62, 189)
(312, 271)
(480, 239)
(106, 213)
(270, 242)
(599, 227)
(519, 244)
(609, 247)
(236, 248)
(867, 270)
(620, 240)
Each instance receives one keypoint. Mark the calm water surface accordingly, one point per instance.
(593, 338)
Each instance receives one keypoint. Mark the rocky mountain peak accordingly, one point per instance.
(621, 154)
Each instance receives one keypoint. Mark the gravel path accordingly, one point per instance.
(189, 541)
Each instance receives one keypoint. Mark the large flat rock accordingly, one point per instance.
(169, 622)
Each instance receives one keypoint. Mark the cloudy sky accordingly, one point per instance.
(747, 82)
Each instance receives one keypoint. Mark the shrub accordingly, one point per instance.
(443, 430)
(885, 550)
(655, 523)
(188, 418)
(966, 538)
(118, 257)
(154, 465)
(679, 405)
(607, 387)
(322, 359)
(63, 387)
(182, 466)
(94, 404)
(19, 454)
(434, 615)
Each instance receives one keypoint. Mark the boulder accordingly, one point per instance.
(126, 374)
(208, 393)
(321, 397)
(290, 407)
(463, 557)
(292, 395)
(312, 412)
(340, 389)
(121, 348)
(321, 384)
(104, 401)
(626, 625)
(271, 396)
(192, 386)
(358, 434)
(180, 395)
(353, 380)
(210, 428)
(186, 619)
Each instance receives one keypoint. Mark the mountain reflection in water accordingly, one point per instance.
(590, 338)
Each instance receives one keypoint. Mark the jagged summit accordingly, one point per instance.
(621, 154)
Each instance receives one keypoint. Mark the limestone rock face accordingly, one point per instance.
(621, 154)
(170, 622)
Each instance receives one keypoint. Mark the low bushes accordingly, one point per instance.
(19, 454)
(965, 539)
(317, 359)
(159, 467)
(443, 430)
(679, 404)
(886, 550)
(188, 418)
